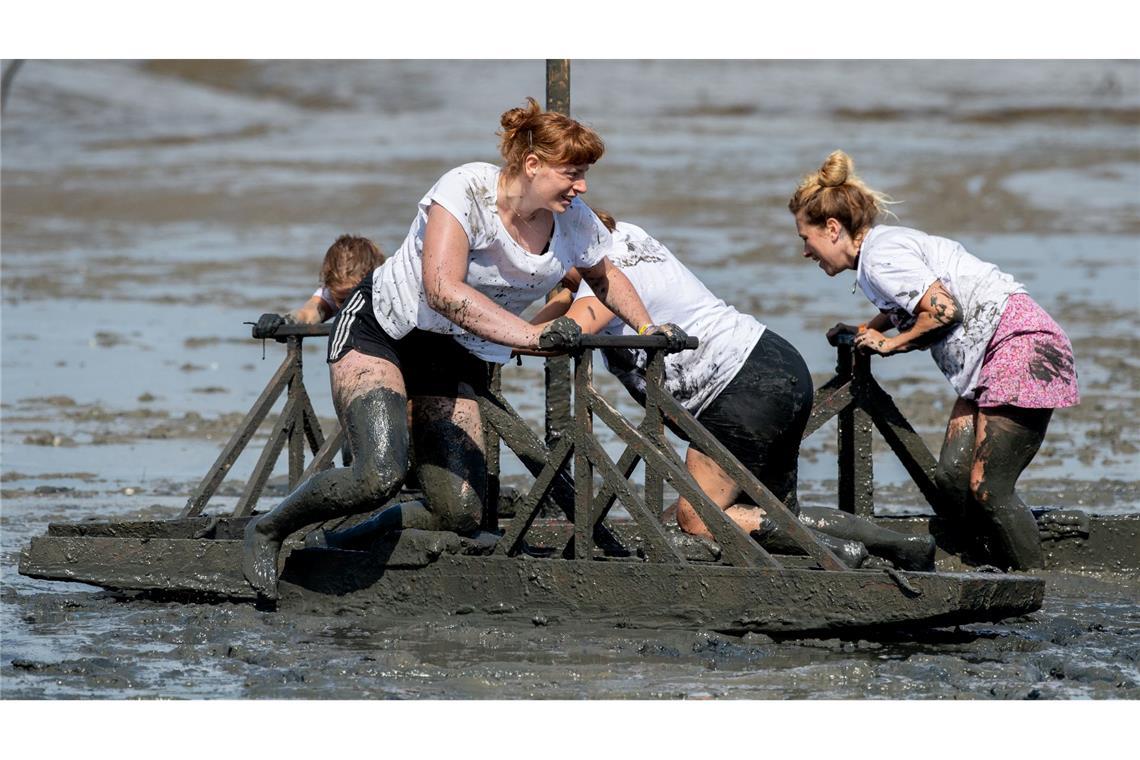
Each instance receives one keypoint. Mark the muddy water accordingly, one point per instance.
(150, 209)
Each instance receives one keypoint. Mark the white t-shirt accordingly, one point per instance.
(671, 293)
(325, 295)
(897, 265)
(497, 266)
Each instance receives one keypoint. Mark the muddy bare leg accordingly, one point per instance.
(955, 461)
(721, 489)
(905, 552)
(775, 540)
(1008, 439)
(367, 532)
(954, 524)
(372, 407)
(450, 464)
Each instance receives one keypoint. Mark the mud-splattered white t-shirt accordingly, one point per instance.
(896, 267)
(497, 266)
(671, 293)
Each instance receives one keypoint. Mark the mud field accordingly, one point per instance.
(152, 208)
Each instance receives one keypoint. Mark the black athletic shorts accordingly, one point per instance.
(432, 364)
(761, 415)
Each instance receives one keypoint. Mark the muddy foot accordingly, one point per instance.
(917, 554)
(259, 560)
(851, 553)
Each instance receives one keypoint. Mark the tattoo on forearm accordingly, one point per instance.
(945, 308)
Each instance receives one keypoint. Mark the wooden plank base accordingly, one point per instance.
(421, 574)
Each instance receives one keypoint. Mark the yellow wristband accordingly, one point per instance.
(641, 330)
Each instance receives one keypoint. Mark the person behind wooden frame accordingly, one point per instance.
(485, 243)
(348, 260)
(1009, 362)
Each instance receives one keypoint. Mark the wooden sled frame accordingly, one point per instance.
(416, 573)
(297, 424)
(852, 394)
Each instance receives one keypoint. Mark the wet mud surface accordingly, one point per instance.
(151, 209)
(80, 643)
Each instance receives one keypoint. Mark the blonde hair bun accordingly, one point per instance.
(835, 192)
(836, 169)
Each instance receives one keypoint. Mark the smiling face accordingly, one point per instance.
(828, 244)
(553, 187)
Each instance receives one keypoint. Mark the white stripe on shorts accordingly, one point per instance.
(344, 324)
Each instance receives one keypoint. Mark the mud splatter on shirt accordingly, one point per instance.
(897, 265)
(671, 293)
(497, 266)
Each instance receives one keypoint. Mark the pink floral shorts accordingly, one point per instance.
(1029, 361)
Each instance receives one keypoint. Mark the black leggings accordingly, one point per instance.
(760, 417)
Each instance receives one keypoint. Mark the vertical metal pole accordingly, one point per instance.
(297, 424)
(856, 468)
(557, 367)
(583, 470)
(654, 480)
(491, 448)
(558, 85)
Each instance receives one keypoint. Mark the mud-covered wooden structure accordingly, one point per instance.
(587, 565)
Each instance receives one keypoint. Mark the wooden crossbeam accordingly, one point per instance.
(773, 507)
(527, 446)
(264, 467)
(659, 548)
(830, 400)
(323, 457)
(608, 493)
(907, 445)
(511, 541)
(237, 443)
(736, 546)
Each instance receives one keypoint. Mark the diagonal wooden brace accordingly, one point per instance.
(773, 507)
(237, 443)
(736, 546)
(511, 541)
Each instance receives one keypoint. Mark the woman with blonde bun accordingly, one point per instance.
(1009, 362)
(427, 325)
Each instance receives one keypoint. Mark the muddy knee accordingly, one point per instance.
(464, 514)
(456, 503)
(953, 483)
(378, 482)
(377, 426)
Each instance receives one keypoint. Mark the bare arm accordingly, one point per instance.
(878, 322)
(558, 305)
(445, 270)
(615, 291)
(590, 314)
(936, 314)
(313, 311)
